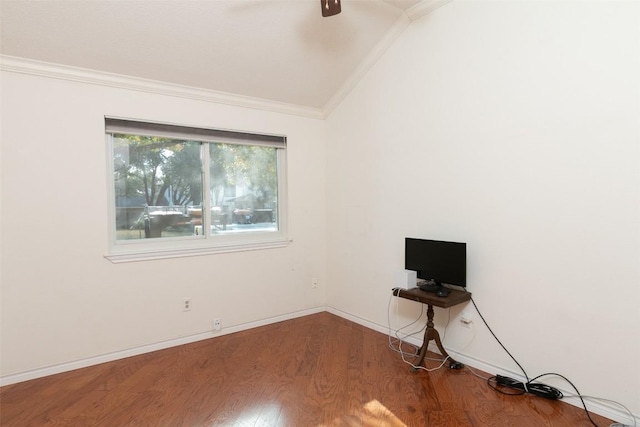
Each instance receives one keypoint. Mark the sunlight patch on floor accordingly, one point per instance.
(372, 414)
(264, 414)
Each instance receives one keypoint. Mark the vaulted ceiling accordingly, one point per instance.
(276, 50)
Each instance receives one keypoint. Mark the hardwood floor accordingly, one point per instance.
(318, 370)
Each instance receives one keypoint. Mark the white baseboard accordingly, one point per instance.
(601, 407)
(110, 357)
(358, 320)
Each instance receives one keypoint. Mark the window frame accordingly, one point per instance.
(173, 247)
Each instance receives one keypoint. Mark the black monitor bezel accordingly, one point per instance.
(454, 253)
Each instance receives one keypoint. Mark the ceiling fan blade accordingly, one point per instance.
(330, 7)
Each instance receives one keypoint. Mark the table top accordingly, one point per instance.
(455, 297)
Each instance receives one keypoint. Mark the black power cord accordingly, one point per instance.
(498, 340)
(537, 389)
(499, 382)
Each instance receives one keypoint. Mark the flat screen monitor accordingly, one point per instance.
(437, 262)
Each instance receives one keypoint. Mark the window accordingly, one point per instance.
(178, 191)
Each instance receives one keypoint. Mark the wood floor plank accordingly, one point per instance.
(316, 371)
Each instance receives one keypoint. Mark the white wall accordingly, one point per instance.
(62, 301)
(514, 127)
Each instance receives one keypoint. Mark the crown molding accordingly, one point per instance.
(370, 60)
(418, 11)
(100, 78)
(424, 8)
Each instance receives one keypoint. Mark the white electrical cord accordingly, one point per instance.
(475, 373)
(631, 416)
(395, 344)
(399, 340)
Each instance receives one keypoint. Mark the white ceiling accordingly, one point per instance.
(276, 50)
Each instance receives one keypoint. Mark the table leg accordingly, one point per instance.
(431, 333)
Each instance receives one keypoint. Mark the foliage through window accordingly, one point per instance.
(174, 183)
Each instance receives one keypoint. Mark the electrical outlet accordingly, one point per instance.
(314, 282)
(465, 319)
(186, 304)
(216, 325)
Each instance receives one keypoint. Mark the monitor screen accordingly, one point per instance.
(442, 262)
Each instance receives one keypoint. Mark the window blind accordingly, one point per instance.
(163, 130)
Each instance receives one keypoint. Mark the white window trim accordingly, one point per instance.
(118, 255)
(159, 248)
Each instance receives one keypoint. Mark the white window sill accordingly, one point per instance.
(131, 254)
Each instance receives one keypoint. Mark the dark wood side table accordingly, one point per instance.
(455, 297)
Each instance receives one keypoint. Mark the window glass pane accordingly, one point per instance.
(181, 191)
(158, 187)
(243, 181)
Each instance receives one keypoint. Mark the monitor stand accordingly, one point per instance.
(435, 288)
